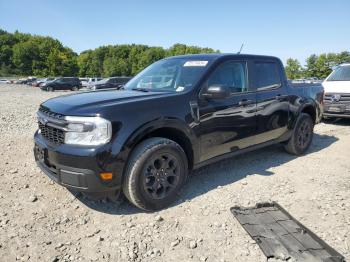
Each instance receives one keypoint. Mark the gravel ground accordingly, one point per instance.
(41, 221)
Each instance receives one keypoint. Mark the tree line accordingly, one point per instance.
(319, 66)
(25, 54)
(31, 55)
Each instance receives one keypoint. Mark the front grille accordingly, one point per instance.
(48, 123)
(52, 134)
(331, 98)
(48, 113)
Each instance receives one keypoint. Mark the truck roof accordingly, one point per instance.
(214, 56)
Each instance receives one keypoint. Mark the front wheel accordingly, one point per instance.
(155, 173)
(302, 135)
(50, 89)
(75, 88)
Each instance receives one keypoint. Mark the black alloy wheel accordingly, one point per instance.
(161, 175)
(304, 134)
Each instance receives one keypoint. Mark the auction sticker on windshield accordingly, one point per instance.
(196, 63)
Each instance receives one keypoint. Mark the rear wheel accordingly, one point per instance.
(156, 171)
(75, 88)
(302, 135)
(50, 89)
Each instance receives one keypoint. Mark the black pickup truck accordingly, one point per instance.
(178, 114)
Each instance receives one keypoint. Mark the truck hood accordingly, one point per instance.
(92, 103)
(336, 86)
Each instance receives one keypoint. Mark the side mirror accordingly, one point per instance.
(217, 92)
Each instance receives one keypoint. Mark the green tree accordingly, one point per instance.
(293, 69)
(311, 69)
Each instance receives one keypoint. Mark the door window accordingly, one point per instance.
(267, 75)
(231, 74)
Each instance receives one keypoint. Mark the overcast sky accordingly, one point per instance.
(280, 28)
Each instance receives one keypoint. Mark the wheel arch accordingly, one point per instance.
(172, 129)
(310, 110)
(307, 108)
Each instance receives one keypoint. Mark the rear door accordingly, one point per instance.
(58, 84)
(64, 83)
(272, 110)
(227, 124)
(111, 83)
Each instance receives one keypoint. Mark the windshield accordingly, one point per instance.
(103, 81)
(174, 75)
(341, 73)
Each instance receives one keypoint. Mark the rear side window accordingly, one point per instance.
(267, 75)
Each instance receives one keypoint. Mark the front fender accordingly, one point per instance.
(123, 146)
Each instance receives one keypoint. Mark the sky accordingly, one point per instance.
(281, 28)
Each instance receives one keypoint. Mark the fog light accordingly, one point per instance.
(106, 176)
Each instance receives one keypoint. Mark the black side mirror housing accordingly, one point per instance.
(216, 92)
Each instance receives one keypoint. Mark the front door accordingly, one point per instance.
(227, 124)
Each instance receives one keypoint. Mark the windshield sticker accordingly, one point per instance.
(196, 63)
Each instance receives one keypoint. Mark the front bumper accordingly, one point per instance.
(336, 115)
(76, 168)
(337, 110)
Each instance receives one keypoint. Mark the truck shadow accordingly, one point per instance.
(222, 173)
(258, 162)
(337, 121)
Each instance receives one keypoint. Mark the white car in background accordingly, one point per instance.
(92, 81)
(83, 81)
(4, 81)
(337, 92)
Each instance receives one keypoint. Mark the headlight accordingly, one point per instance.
(87, 131)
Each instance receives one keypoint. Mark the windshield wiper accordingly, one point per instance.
(141, 89)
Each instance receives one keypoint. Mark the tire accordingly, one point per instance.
(75, 88)
(302, 135)
(50, 89)
(155, 173)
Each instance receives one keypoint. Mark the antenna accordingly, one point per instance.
(240, 50)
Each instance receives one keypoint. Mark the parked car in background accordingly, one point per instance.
(92, 81)
(46, 81)
(145, 138)
(4, 81)
(62, 83)
(308, 80)
(21, 81)
(337, 93)
(84, 81)
(40, 81)
(312, 80)
(111, 82)
(30, 80)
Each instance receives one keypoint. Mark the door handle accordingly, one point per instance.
(245, 102)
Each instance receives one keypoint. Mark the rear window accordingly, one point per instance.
(341, 73)
(267, 75)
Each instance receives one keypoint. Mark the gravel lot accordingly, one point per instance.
(41, 221)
